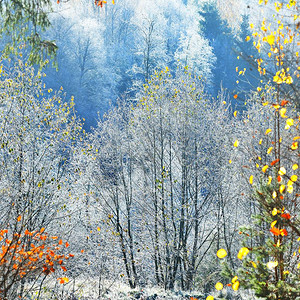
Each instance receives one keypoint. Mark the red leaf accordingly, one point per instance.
(283, 232)
(286, 216)
(279, 178)
(274, 162)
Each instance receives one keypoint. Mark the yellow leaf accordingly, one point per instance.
(260, 141)
(271, 39)
(282, 112)
(230, 161)
(277, 79)
(294, 178)
(294, 146)
(269, 150)
(274, 195)
(234, 279)
(290, 122)
(273, 224)
(219, 286)
(295, 167)
(221, 253)
(290, 183)
(282, 171)
(282, 188)
(264, 169)
(235, 286)
(236, 143)
(254, 264)
(272, 264)
(274, 211)
(235, 113)
(247, 38)
(209, 298)
(268, 131)
(242, 253)
(270, 180)
(290, 189)
(289, 80)
(251, 179)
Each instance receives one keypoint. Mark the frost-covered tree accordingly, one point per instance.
(38, 131)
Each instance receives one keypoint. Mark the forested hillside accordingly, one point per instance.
(149, 149)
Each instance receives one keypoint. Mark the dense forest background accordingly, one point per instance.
(149, 149)
(104, 53)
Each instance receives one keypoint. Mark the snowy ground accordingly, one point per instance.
(89, 289)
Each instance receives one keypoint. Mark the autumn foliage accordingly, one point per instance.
(29, 254)
(270, 261)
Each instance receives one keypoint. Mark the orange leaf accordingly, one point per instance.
(275, 231)
(284, 102)
(235, 96)
(27, 232)
(60, 242)
(19, 218)
(64, 268)
(279, 178)
(274, 162)
(67, 244)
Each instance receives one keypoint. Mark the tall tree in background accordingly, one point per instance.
(220, 37)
